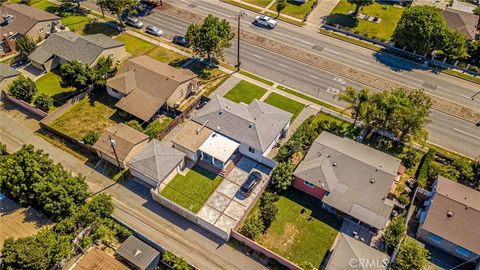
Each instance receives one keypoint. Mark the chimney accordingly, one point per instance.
(10, 42)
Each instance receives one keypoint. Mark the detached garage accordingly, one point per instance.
(155, 163)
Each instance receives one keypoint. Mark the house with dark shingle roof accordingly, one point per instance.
(250, 130)
(7, 75)
(464, 22)
(143, 85)
(63, 47)
(450, 219)
(155, 163)
(138, 254)
(23, 20)
(350, 177)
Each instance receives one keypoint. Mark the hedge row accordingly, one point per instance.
(422, 172)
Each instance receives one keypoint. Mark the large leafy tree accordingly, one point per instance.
(357, 101)
(394, 233)
(117, 7)
(23, 88)
(359, 3)
(454, 44)
(103, 70)
(282, 176)
(280, 5)
(25, 46)
(211, 37)
(411, 256)
(412, 116)
(75, 74)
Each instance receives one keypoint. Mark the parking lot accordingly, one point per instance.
(226, 206)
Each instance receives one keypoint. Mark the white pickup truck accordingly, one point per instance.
(265, 21)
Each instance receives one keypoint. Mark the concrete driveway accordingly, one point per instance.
(226, 206)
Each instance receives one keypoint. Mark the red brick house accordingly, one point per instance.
(350, 177)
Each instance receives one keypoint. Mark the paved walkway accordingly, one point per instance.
(134, 207)
(321, 11)
(227, 85)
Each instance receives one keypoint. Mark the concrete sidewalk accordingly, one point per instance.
(134, 207)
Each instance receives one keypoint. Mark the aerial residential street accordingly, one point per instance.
(450, 132)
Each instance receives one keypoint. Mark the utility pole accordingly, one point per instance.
(113, 144)
(239, 17)
(473, 97)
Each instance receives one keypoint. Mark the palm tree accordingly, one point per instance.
(357, 101)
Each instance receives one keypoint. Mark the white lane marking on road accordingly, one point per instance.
(282, 65)
(465, 96)
(334, 52)
(311, 76)
(257, 56)
(333, 91)
(339, 80)
(466, 133)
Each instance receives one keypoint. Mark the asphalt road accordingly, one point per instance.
(450, 132)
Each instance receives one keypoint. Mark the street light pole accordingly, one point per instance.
(473, 97)
(112, 144)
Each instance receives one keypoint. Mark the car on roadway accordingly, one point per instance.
(134, 22)
(154, 30)
(252, 181)
(182, 41)
(265, 21)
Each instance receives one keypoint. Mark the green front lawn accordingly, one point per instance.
(75, 23)
(303, 238)
(44, 5)
(295, 9)
(245, 92)
(383, 31)
(95, 112)
(100, 28)
(192, 190)
(50, 84)
(285, 104)
(261, 3)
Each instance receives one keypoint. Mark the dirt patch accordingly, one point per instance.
(281, 242)
(362, 77)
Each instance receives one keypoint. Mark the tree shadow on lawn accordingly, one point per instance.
(343, 20)
(100, 28)
(315, 205)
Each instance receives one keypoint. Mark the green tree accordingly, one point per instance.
(280, 5)
(25, 46)
(91, 137)
(252, 228)
(211, 37)
(23, 88)
(357, 101)
(117, 7)
(394, 232)
(282, 177)
(153, 129)
(44, 102)
(268, 213)
(75, 74)
(465, 171)
(411, 256)
(360, 3)
(103, 70)
(412, 115)
(454, 44)
(3, 149)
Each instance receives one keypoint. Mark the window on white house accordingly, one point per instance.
(308, 184)
(462, 251)
(251, 150)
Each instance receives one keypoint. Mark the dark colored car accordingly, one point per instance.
(252, 181)
(182, 41)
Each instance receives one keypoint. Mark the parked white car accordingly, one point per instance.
(265, 21)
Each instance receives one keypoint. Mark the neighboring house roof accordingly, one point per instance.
(350, 253)
(137, 252)
(256, 125)
(25, 17)
(357, 177)
(97, 259)
(71, 46)
(192, 136)
(126, 138)
(463, 226)
(7, 71)
(156, 160)
(464, 22)
(147, 84)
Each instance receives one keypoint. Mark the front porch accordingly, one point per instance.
(218, 154)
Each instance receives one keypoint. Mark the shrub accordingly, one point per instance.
(176, 262)
(282, 177)
(394, 233)
(23, 88)
(25, 46)
(91, 137)
(3, 149)
(252, 228)
(153, 129)
(43, 102)
(423, 169)
(409, 158)
(268, 197)
(268, 212)
(404, 198)
(134, 124)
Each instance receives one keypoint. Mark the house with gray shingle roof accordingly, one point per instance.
(250, 130)
(7, 75)
(63, 47)
(351, 178)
